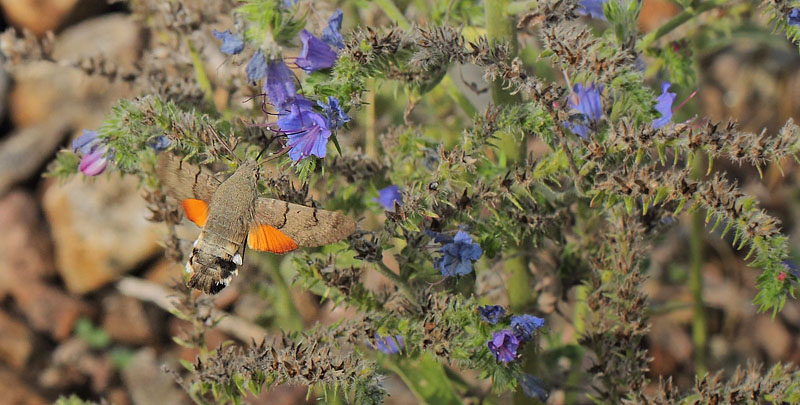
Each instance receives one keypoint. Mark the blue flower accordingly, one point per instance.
(664, 106)
(95, 153)
(388, 196)
(458, 255)
(491, 313)
(289, 3)
(159, 143)
(525, 326)
(504, 345)
(331, 34)
(389, 344)
(231, 44)
(315, 55)
(589, 104)
(279, 85)
(307, 129)
(592, 8)
(336, 116)
(794, 17)
(256, 69)
(533, 387)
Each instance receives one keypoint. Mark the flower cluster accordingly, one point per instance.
(307, 129)
(96, 153)
(504, 343)
(458, 253)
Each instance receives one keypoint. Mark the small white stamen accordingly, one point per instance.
(237, 258)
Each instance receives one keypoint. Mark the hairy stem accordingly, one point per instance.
(402, 284)
(699, 333)
(500, 27)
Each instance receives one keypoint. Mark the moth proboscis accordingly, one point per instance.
(231, 213)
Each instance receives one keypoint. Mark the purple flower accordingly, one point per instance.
(389, 344)
(525, 326)
(331, 34)
(256, 69)
(315, 55)
(592, 8)
(307, 129)
(533, 387)
(95, 153)
(458, 255)
(289, 3)
(279, 85)
(504, 345)
(794, 17)
(589, 104)
(491, 313)
(388, 196)
(231, 44)
(664, 106)
(336, 116)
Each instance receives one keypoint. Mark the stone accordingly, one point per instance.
(147, 384)
(16, 342)
(99, 229)
(26, 252)
(773, 337)
(48, 309)
(16, 392)
(39, 16)
(126, 321)
(115, 37)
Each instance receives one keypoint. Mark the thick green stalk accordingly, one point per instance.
(401, 283)
(698, 229)
(500, 27)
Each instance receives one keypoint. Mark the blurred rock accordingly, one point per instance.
(16, 392)
(115, 37)
(99, 229)
(118, 396)
(26, 251)
(48, 309)
(39, 16)
(147, 384)
(165, 272)
(16, 342)
(73, 363)
(125, 320)
(773, 337)
(26, 150)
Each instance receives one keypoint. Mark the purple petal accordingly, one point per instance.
(94, 163)
(664, 106)
(592, 8)
(316, 54)
(231, 44)
(279, 85)
(256, 69)
(85, 142)
(387, 197)
(331, 34)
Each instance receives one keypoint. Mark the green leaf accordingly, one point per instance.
(426, 378)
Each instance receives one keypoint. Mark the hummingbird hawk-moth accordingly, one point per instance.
(232, 213)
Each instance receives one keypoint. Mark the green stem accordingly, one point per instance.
(684, 16)
(699, 332)
(394, 13)
(200, 72)
(287, 316)
(517, 7)
(405, 288)
(500, 27)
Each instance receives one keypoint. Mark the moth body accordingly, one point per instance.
(216, 254)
